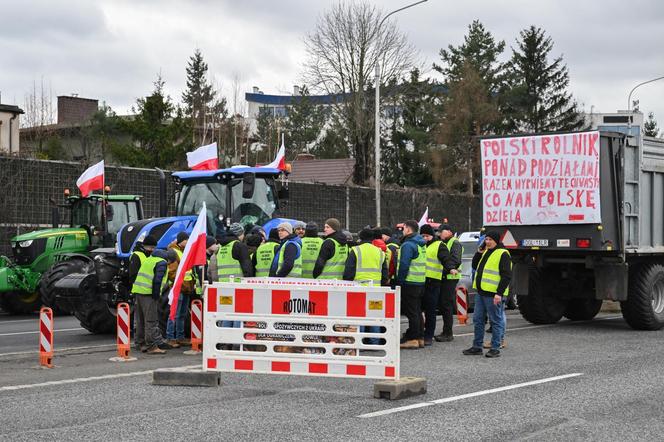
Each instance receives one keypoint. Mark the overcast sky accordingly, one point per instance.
(112, 50)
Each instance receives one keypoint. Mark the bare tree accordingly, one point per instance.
(342, 53)
(39, 113)
(237, 104)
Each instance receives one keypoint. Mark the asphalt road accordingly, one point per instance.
(593, 380)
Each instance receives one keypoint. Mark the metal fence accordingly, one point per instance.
(26, 185)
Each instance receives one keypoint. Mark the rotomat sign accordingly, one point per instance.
(544, 179)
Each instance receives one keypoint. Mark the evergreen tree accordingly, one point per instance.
(200, 101)
(304, 122)
(414, 114)
(159, 130)
(468, 112)
(650, 128)
(482, 51)
(540, 101)
(105, 129)
(333, 143)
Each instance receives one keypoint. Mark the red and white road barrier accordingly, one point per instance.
(462, 305)
(123, 330)
(46, 337)
(196, 325)
(302, 329)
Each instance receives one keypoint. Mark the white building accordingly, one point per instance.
(277, 105)
(9, 123)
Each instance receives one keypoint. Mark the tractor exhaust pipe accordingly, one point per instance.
(55, 214)
(163, 204)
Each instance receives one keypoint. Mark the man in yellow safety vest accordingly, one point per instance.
(148, 282)
(492, 280)
(331, 260)
(288, 262)
(453, 253)
(411, 268)
(366, 262)
(265, 253)
(436, 254)
(311, 244)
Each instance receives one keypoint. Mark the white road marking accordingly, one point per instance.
(530, 327)
(14, 321)
(92, 378)
(36, 332)
(57, 350)
(466, 396)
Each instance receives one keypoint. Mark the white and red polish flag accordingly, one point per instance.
(425, 218)
(92, 179)
(204, 158)
(280, 161)
(193, 255)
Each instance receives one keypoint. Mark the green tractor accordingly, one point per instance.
(38, 255)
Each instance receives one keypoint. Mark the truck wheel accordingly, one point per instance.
(540, 306)
(53, 275)
(644, 308)
(582, 309)
(96, 317)
(20, 303)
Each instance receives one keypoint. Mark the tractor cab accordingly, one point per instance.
(102, 216)
(247, 195)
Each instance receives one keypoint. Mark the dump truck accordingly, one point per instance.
(94, 221)
(582, 216)
(248, 195)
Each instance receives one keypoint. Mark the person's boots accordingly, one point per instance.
(410, 344)
(444, 338)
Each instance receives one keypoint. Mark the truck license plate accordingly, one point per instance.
(535, 243)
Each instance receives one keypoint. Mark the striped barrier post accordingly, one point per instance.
(46, 337)
(462, 305)
(197, 326)
(123, 328)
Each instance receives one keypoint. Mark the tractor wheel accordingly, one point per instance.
(96, 317)
(56, 273)
(20, 303)
(644, 308)
(541, 306)
(582, 309)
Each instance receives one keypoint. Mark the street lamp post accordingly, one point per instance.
(629, 97)
(377, 116)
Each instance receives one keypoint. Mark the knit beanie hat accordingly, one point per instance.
(334, 224)
(426, 229)
(150, 241)
(182, 236)
(366, 234)
(494, 235)
(236, 229)
(287, 227)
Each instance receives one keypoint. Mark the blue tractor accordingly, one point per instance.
(248, 195)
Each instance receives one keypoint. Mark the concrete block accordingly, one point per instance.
(188, 377)
(400, 389)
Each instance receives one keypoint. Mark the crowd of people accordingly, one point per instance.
(425, 263)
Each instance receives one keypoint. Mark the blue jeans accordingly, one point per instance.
(484, 306)
(231, 324)
(371, 329)
(175, 329)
